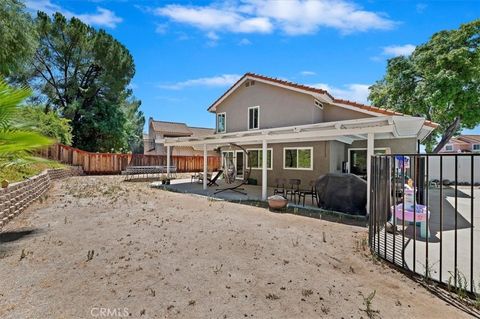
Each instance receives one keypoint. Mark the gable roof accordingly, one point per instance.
(201, 131)
(465, 139)
(174, 128)
(179, 129)
(319, 93)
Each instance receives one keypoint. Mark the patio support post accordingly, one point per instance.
(204, 166)
(264, 170)
(370, 151)
(168, 161)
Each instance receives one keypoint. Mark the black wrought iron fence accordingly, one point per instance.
(425, 215)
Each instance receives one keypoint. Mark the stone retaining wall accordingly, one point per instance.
(18, 196)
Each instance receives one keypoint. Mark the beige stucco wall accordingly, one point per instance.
(278, 107)
(178, 151)
(333, 113)
(399, 145)
(327, 157)
(458, 147)
(159, 149)
(321, 163)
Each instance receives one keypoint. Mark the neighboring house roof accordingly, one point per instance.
(461, 144)
(179, 129)
(372, 110)
(465, 139)
(170, 128)
(201, 131)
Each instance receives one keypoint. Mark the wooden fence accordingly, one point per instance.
(113, 163)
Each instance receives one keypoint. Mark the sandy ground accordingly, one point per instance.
(158, 254)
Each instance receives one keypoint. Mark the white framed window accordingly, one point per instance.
(449, 147)
(298, 158)
(253, 117)
(357, 159)
(476, 147)
(255, 156)
(221, 122)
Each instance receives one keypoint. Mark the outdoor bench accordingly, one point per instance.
(149, 171)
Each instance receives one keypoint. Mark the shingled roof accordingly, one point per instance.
(466, 139)
(178, 129)
(311, 89)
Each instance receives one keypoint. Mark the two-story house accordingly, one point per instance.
(158, 130)
(462, 144)
(304, 131)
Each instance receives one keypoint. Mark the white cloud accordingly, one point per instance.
(161, 28)
(308, 73)
(213, 39)
(307, 16)
(42, 5)
(397, 50)
(211, 18)
(214, 81)
(102, 17)
(292, 17)
(244, 41)
(213, 36)
(353, 92)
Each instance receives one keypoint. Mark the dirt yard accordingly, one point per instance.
(97, 247)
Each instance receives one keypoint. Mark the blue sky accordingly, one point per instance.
(188, 53)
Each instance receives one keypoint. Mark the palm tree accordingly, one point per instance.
(17, 141)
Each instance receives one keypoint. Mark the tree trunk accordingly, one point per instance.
(448, 134)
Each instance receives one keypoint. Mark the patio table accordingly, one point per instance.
(420, 216)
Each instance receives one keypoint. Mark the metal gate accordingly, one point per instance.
(425, 215)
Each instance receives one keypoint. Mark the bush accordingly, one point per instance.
(48, 123)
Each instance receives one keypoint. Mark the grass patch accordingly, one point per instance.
(19, 173)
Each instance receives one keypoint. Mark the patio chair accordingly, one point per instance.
(280, 186)
(200, 177)
(194, 177)
(294, 189)
(213, 181)
(312, 191)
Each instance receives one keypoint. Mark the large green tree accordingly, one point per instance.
(102, 129)
(83, 74)
(440, 81)
(134, 123)
(18, 38)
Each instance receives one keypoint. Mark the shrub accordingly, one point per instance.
(48, 123)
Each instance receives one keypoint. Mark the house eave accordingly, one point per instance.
(322, 96)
